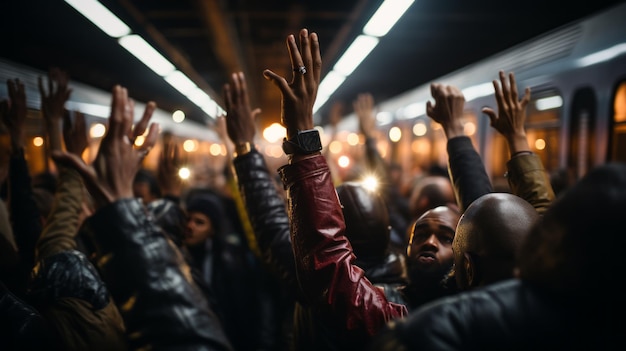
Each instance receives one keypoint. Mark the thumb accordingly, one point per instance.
(491, 114)
(255, 112)
(72, 161)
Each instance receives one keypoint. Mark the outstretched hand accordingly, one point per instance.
(110, 176)
(298, 96)
(364, 110)
(511, 112)
(14, 113)
(170, 162)
(239, 116)
(75, 133)
(448, 108)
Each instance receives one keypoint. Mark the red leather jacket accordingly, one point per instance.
(323, 255)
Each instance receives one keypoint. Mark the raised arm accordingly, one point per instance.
(465, 167)
(323, 255)
(264, 205)
(145, 272)
(526, 174)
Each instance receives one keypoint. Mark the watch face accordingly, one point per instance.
(310, 141)
(306, 142)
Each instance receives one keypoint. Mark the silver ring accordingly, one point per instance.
(300, 69)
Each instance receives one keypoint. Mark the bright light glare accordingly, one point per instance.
(100, 16)
(190, 145)
(355, 54)
(97, 130)
(140, 140)
(540, 144)
(420, 129)
(184, 173)
(469, 128)
(549, 103)
(137, 46)
(178, 116)
(37, 141)
(386, 17)
(352, 139)
(343, 161)
(395, 134)
(274, 132)
(370, 183)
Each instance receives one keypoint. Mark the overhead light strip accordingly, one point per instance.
(387, 15)
(109, 23)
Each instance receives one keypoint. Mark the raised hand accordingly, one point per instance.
(75, 133)
(170, 162)
(448, 108)
(53, 105)
(240, 117)
(14, 113)
(364, 110)
(511, 113)
(110, 176)
(298, 96)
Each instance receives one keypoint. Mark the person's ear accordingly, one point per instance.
(470, 268)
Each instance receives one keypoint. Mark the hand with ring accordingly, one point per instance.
(298, 96)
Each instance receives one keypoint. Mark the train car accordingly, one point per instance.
(196, 139)
(577, 114)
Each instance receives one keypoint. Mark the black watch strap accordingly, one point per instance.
(304, 143)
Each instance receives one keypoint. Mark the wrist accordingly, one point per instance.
(243, 148)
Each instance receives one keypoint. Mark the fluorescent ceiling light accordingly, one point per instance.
(355, 54)
(320, 100)
(101, 17)
(181, 82)
(603, 55)
(212, 109)
(549, 103)
(386, 17)
(137, 46)
(331, 82)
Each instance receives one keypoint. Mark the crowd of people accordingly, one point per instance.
(114, 256)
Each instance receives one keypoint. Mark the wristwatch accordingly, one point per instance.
(304, 143)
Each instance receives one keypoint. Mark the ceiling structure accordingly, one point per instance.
(209, 39)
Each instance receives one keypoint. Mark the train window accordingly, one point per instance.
(542, 126)
(618, 135)
(581, 132)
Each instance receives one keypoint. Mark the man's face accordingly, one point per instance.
(430, 248)
(199, 228)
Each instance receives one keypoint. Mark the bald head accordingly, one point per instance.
(489, 236)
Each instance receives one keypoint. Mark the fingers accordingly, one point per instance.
(72, 161)
(279, 81)
(79, 122)
(151, 139)
(118, 103)
(491, 114)
(294, 55)
(316, 56)
(140, 127)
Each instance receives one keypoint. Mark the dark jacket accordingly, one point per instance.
(508, 315)
(525, 173)
(149, 280)
(21, 325)
(318, 249)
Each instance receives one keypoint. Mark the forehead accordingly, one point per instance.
(432, 224)
(195, 215)
(439, 217)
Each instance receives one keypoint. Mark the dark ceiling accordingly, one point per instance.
(209, 39)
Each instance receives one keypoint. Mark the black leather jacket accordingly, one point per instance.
(149, 280)
(508, 315)
(313, 328)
